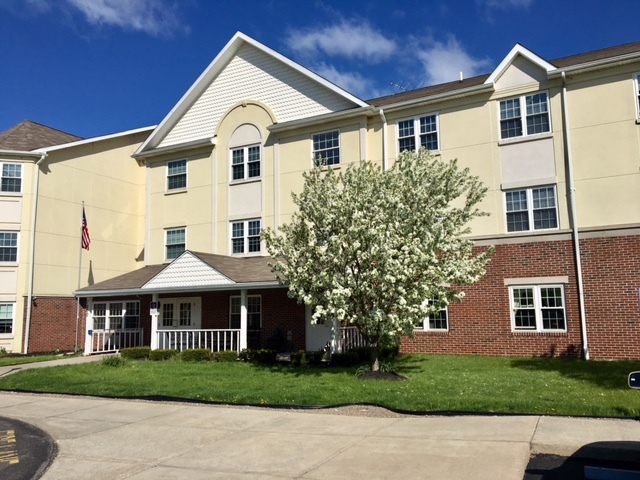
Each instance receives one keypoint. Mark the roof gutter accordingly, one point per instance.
(19, 153)
(574, 217)
(320, 119)
(204, 288)
(32, 245)
(439, 97)
(202, 142)
(595, 65)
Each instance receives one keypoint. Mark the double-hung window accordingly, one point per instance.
(177, 175)
(254, 312)
(245, 162)
(116, 315)
(538, 308)
(524, 116)
(245, 237)
(326, 148)
(531, 209)
(11, 178)
(438, 321)
(8, 246)
(175, 242)
(418, 132)
(6, 318)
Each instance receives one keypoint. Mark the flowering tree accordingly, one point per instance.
(378, 249)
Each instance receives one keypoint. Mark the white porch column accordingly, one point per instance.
(154, 322)
(88, 339)
(336, 346)
(243, 319)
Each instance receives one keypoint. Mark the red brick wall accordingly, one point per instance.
(53, 324)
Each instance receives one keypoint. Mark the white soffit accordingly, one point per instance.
(247, 70)
(187, 271)
(508, 60)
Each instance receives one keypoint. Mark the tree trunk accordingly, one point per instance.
(375, 361)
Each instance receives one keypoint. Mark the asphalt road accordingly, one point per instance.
(554, 467)
(25, 450)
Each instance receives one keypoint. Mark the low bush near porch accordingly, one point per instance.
(163, 354)
(136, 353)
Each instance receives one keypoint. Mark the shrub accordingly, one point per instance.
(315, 358)
(348, 359)
(225, 356)
(136, 353)
(247, 355)
(114, 361)
(3, 352)
(163, 354)
(266, 356)
(196, 355)
(298, 358)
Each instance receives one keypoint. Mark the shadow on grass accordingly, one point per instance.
(606, 374)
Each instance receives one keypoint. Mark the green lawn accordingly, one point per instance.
(19, 360)
(436, 383)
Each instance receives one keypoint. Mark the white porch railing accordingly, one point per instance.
(214, 340)
(350, 338)
(106, 341)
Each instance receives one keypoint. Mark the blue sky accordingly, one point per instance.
(96, 67)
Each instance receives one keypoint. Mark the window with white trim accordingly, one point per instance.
(175, 243)
(538, 308)
(636, 82)
(326, 148)
(245, 237)
(116, 315)
(245, 162)
(177, 175)
(8, 246)
(531, 209)
(254, 312)
(524, 116)
(418, 132)
(11, 181)
(438, 321)
(6, 318)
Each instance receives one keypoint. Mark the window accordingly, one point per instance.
(177, 175)
(185, 314)
(245, 237)
(245, 162)
(8, 246)
(435, 321)
(167, 314)
(6, 318)
(11, 178)
(254, 312)
(175, 243)
(419, 131)
(518, 122)
(531, 207)
(116, 315)
(538, 308)
(326, 148)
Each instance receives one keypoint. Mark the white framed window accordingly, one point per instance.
(254, 312)
(524, 116)
(6, 318)
(414, 133)
(175, 242)
(177, 175)
(326, 148)
(185, 314)
(636, 86)
(538, 308)
(11, 181)
(438, 321)
(533, 208)
(8, 246)
(245, 237)
(180, 312)
(116, 315)
(245, 162)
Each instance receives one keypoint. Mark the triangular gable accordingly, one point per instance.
(514, 59)
(247, 70)
(187, 271)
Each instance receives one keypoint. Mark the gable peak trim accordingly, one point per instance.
(518, 50)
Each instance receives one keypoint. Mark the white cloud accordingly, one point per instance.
(352, 39)
(352, 82)
(153, 17)
(443, 62)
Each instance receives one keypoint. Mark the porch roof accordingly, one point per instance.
(215, 272)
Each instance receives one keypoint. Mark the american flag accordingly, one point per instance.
(86, 240)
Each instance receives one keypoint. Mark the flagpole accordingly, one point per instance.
(79, 279)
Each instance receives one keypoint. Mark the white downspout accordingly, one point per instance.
(574, 217)
(385, 148)
(32, 245)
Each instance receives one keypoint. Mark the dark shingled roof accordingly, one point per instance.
(451, 87)
(28, 135)
(238, 269)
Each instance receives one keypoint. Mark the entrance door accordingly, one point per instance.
(316, 335)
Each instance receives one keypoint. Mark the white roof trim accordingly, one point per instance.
(20, 153)
(214, 68)
(95, 139)
(508, 60)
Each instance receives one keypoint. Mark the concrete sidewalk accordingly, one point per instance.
(109, 439)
